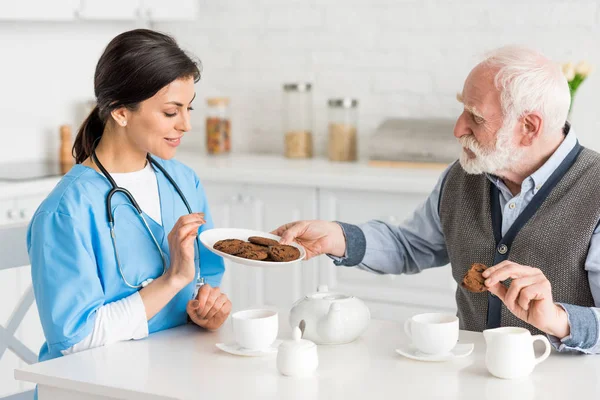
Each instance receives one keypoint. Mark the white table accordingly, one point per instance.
(183, 363)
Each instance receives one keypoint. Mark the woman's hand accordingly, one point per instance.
(181, 246)
(317, 237)
(210, 309)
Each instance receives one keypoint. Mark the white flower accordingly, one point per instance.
(569, 71)
(583, 68)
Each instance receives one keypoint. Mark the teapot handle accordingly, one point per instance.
(407, 328)
(543, 339)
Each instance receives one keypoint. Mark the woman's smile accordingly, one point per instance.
(174, 141)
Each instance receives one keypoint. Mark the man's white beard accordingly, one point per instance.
(502, 157)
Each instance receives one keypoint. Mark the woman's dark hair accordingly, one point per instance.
(134, 67)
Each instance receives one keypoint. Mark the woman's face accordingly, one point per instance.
(158, 125)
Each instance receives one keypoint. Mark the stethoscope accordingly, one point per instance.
(111, 220)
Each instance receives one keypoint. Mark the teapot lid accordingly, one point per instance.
(297, 343)
(323, 293)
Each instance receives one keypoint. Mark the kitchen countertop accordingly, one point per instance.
(183, 363)
(316, 172)
(27, 188)
(272, 169)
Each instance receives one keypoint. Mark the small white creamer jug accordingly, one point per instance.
(509, 352)
(297, 357)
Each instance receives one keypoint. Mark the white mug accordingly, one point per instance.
(255, 329)
(509, 352)
(433, 333)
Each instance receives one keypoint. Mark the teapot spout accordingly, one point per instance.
(334, 312)
(331, 327)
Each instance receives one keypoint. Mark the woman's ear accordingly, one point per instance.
(120, 116)
(531, 128)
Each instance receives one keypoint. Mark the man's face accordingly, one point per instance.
(487, 141)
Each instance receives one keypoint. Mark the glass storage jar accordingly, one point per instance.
(343, 117)
(297, 122)
(218, 126)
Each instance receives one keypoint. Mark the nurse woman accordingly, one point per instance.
(113, 249)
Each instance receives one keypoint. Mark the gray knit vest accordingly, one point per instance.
(554, 239)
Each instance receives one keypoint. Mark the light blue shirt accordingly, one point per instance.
(419, 244)
(73, 264)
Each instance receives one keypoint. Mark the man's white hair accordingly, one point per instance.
(530, 82)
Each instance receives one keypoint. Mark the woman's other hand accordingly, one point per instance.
(210, 309)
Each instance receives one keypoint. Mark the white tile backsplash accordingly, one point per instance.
(398, 57)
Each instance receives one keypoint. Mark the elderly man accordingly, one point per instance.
(523, 199)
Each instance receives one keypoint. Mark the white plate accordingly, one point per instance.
(236, 349)
(459, 351)
(212, 236)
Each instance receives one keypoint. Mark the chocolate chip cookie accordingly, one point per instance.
(229, 246)
(253, 247)
(253, 254)
(282, 253)
(262, 241)
(474, 280)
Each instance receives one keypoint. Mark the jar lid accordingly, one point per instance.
(217, 101)
(297, 87)
(343, 102)
(297, 343)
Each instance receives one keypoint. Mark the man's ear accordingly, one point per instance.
(530, 128)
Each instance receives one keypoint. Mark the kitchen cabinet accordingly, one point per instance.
(39, 10)
(19, 210)
(7, 211)
(178, 10)
(114, 10)
(263, 208)
(394, 297)
(95, 10)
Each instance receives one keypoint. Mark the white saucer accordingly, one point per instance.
(459, 351)
(236, 349)
(212, 236)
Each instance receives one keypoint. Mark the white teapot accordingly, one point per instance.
(509, 352)
(330, 318)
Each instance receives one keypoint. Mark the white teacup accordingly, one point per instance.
(255, 329)
(433, 333)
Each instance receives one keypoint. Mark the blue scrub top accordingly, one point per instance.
(73, 263)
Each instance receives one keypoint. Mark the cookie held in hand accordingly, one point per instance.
(474, 280)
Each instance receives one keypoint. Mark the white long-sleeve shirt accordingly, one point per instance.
(125, 319)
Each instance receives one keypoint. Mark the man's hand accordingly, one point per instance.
(210, 309)
(529, 296)
(317, 237)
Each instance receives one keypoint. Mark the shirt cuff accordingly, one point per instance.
(356, 246)
(584, 334)
(123, 319)
(139, 320)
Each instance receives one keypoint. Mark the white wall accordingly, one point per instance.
(46, 72)
(398, 57)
